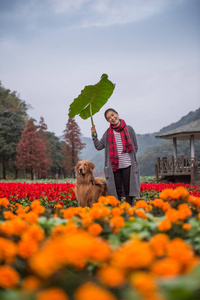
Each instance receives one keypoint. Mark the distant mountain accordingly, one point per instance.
(190, 117)
(149, 147)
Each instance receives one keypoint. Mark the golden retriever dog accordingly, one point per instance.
(88, 188)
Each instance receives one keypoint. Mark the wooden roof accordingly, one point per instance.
(183, 132)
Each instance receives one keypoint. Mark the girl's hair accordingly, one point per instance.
(107, 110)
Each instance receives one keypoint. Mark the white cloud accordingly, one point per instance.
(112, 12)
(63, 6)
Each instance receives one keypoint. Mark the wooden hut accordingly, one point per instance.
(180, 169)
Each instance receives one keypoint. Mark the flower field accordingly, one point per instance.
(52, 249)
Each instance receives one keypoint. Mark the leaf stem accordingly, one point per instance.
(91, 117)
(91, 114)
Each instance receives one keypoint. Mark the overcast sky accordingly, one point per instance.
(51, 49)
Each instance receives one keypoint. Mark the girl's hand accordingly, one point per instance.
(93, 130)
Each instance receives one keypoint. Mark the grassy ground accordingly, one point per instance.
(146, 179)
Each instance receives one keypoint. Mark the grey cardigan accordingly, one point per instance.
(135, 174)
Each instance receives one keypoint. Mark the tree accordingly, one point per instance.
(13, 115)
(57, 157)
(11, 101)
(11, 126)
(43, 135)
(71, 152)
(32, 152)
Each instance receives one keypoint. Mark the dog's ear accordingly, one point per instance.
(92, 166)
(76, 167)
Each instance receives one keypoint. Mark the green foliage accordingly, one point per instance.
(183, 287)
(144, 227)
(194, 235)
(48, 223)
(11, 101)
(92, 98)
(11, 128)
(55, 146)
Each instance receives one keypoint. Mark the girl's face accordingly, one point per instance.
(113, 118)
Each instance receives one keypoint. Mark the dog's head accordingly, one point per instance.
(84, 166)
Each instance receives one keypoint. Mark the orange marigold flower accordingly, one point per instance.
(34, 232)
(186, 226)
(58, 230)
(37, 208)
(31, 283)
(195, 201)
(133, 255)
(70, 227)
(31, 217)
(8, 250)
(58, 206)
(46, 261)
(26, 248)
(117, 222)
(4, 202)
(165, 206)
(182, 252)
(15, 226)
(104, 200)
(100, 250)
(116, 211)
(172, 215)
(109, 200)
(131, 211)
(9, 277)
(157, 202)
(184, 211)
(9, 215)
(164, 225)
(180, 193)
(125, 206)
(71, 212)
(95, 229)
(86, 220)
(158, 243)
(20, 211)
(166, 267)
(142, 204)
(111, 276)
(140, 213)
(145, 283)
(98, 211)
(92, 291)
(166, 194)
(52, 294)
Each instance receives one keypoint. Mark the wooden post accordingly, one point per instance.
(192, 148)
(158, 164)
(156, 171)
(175, 147)
(173, 166)
(182, 164)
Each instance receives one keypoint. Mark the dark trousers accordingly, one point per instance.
(122, 183)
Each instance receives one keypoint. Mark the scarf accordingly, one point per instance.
(126, 142)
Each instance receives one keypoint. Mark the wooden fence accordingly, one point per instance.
(182, 166)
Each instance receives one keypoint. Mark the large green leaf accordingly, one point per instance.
(92, 98)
